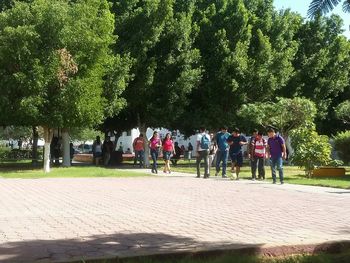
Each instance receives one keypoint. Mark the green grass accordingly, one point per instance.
(25, 171)
(343, 257)
(292, 174)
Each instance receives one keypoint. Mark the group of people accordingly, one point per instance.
(231, 146)
(224, 146)
(102, 151)
(218, 149)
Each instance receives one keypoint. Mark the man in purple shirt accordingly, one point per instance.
(276, 149)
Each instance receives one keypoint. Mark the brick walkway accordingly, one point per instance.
(63, 219)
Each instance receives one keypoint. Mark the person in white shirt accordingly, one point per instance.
(202, 148)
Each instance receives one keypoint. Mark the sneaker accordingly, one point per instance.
(216, 174)
(153, 171)
(274, 182)
(253, 179)
(224, 176)
(237, 178)
(206, 176)
(282, 182)
(198, 176)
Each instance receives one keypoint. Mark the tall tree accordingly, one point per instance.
(247, 49)
(54, 56)
(158, 35)
(321, 67)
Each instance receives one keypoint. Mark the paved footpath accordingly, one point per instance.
(45, 220)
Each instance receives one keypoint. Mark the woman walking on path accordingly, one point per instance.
(168, 149)
(155, 144)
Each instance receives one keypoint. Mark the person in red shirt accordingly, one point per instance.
(139, 149)
(168, 150)
(258, 155)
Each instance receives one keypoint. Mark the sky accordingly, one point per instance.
(301, 6)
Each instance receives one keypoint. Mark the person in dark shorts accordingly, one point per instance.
(236, 141)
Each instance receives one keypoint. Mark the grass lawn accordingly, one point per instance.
(26, 171)
(343, 257)
(292, 174)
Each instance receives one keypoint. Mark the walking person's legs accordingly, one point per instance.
(198, 163)
(254, 164)
(224, 163)
(154, 155)
(141, 157)
(218, 161)
(239, 163)
(273, 163)
(261, 168)
(280, 169)
(206, 164)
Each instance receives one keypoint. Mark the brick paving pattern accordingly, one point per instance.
(49, 220)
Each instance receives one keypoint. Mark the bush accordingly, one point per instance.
(310, 149)
(342, 146)
(16, 154)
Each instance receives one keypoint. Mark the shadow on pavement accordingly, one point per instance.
(113, 247)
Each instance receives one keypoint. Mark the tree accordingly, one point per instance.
(325, 6)
(284, 114)
(310, 148)
(321, 68)
(54, 56)
(341, 145)
(342, 111)
(247, 49)
(159, 39)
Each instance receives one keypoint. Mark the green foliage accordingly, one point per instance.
(247, 50)
(285, 114)
(18, 132)
(324, 6)
(310, 149)
(342, 145)
(84, 134)
(54, 58)
(159, 39)
(321, 67)
(342, 111)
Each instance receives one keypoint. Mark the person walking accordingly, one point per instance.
(155, 144)
(276, 149)
(97, 150)
(176, 157)
(250, 150)
(107, 149)
(139, 149)
(168, 150)
(236, 141)
(222, 153)
(212, 150)
(258, 153)
(203, 145)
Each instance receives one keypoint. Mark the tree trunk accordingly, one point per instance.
(66, 148)
(47, 137)
(35, 146)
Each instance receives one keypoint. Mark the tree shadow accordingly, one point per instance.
(116, 246)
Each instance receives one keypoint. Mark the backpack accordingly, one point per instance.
(205, 142)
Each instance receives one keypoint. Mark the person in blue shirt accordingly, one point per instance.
(222, 152)
(236, 141)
